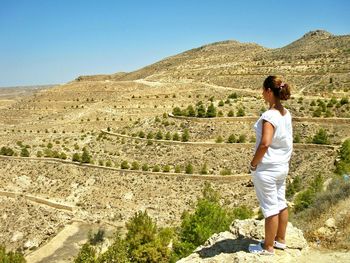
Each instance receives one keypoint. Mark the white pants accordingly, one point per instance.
(270, 187)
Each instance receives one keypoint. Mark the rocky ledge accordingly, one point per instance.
(232, 245)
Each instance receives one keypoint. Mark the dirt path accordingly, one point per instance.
(59, 247)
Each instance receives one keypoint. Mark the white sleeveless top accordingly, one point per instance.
(281, 147)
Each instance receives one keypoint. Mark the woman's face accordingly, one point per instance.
(265, 94)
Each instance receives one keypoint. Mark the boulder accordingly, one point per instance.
(232, 245)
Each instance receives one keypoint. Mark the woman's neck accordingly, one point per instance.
(276, 105)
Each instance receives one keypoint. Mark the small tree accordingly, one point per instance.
(190, 111)
(231, 139)
(141, 134)
(242, 138)
(185, 136)
(156, 169)
(135, 165)
(176, 137)
(159, 135)
(177, 169)
(189, 168)
(145, 167)
(211, 111)
(321, 137)
(76, 157)
(240, 112)
(166, 169)
(201, 111)
(85, 157)
(204, 169)
(124, 165)
(11, 256)
(87, 254)
(168, 136)
(24, 152)
(233, 96)
(219, 139)
(177, 111)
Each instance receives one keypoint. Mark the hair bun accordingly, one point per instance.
(284, 91)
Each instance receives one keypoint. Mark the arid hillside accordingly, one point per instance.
(100, 148)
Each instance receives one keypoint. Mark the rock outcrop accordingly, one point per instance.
(232, 246)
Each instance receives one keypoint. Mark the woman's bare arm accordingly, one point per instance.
(266, 139)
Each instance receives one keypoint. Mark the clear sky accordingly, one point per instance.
(54, 41)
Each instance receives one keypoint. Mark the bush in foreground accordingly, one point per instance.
(10, 257)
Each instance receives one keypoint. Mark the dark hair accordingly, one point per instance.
(279, 88)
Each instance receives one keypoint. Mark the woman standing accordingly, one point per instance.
(270, 164)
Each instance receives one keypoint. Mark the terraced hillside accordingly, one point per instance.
(107, 146)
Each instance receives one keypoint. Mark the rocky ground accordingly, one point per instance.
(47, 191)
(232, 246)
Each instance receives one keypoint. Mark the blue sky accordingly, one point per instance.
(54, 41)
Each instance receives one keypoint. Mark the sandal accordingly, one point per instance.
(276, 244)
(259, 250)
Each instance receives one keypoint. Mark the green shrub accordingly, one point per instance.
(344, 101)
(109, 163)
(87, 254)
(7, 151)
(209, 217)
(189, 168)
(185, 136)
(240, 112)
(219, 139)
(211, 111)
(190, 111)
(145, 167)
(96, 238)
(166, 169)
(63, 156)
(39, 154)
(124, 165)
(117, 252)
(306, 198)
(156, 169)
(201, 110)
(233, 96)
(159, 135)
(221, 103)
(231, 139)
(11, 256)
(321, 137)
(135, 165)
(294, 187)
(144, 242)
(225, 171)
(85, 157)
(141, 134)
(177, 111)
(242, 138)
(242, 212)
(231, 114)
(343, 164)
(297, 138)
(150, 135)
(176, 137)
(177, 169)
(75, 157)
(168, 136)
(204, 169)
